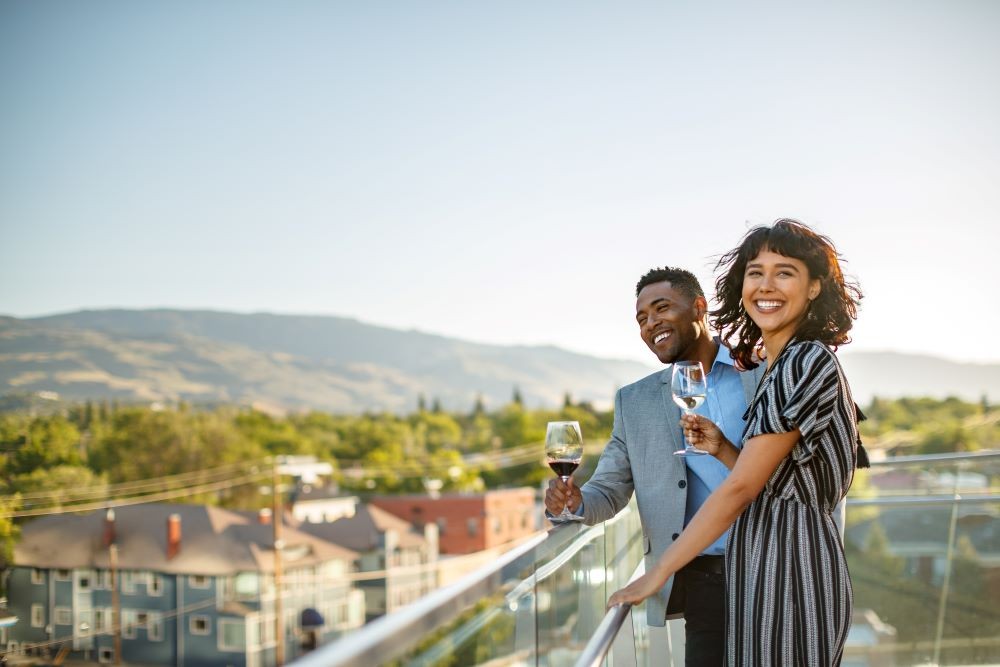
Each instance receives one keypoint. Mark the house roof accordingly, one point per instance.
(214, 541)
(363, 532)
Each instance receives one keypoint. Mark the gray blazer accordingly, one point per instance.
(639, 459)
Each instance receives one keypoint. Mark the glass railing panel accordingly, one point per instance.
(501, 625)
(923, 544)
(570, 590)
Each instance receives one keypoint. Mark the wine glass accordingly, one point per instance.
(688, 386)
(564, 450)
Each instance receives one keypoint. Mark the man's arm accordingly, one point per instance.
(610, 488)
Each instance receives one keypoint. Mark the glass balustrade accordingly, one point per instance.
(923, 542)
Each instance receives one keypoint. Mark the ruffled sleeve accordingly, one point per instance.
(805, 396)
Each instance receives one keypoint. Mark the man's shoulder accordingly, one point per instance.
(649, 383)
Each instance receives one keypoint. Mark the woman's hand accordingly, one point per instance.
(637, 591)
(703, 434)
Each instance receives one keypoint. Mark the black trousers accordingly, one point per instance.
(699, 592)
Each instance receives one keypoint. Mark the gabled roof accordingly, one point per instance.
(363, 532)
(214, 541)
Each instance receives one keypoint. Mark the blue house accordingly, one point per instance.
(189, 585)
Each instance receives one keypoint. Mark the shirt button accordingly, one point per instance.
(682, 483)
(675, 536)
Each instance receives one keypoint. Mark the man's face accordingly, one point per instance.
(669, 321)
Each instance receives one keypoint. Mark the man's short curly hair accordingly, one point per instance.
(679, 279)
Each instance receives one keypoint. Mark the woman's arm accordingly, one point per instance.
(758, 460)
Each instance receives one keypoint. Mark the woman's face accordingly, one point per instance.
(776, 292)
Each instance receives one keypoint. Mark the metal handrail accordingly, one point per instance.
(936, 458)
(604, 636)
(597, 648)
(943, 499)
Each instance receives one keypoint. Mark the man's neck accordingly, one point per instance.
(705, 351)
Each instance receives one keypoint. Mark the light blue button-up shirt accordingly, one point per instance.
(724, 404)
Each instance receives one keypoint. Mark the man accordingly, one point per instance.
(672, 314)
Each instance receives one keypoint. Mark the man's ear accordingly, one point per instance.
(700, 306)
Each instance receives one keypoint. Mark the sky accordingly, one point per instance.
(497, 171)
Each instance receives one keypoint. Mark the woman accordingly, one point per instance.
(782, 297)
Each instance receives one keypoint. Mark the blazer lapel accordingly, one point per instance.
(673, 412)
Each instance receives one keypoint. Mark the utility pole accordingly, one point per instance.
(276, 520)
(116, 612)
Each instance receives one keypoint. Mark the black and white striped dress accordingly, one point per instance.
(790, 596)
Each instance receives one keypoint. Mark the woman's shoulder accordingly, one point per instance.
(807, 359)
(803, 350)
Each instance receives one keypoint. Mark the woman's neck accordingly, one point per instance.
(774, 344)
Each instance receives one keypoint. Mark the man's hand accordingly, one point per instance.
(560, 494)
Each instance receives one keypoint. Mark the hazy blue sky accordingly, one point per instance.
(497, 171)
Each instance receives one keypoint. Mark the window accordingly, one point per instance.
(38, 616)
(154, 627)
(129, 622)
(84, 582)
(102, 579)
(63, 616)
(442, 523)
(232, 635)
(100, 620)
(37, 576)
(199, 581)
(106, 655)
(62, 575)
(128, 582)
(11, 647)
(246, 584)
(155, 587)
(200, 625)
(473, 526)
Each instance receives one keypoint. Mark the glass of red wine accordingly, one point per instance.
(564, 451)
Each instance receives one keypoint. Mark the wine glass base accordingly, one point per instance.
(691, 451)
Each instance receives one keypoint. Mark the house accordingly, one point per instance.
(469, 522)
(318, 504)
(192, 585)
(396, 563)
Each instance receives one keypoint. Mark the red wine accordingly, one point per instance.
(564, 468)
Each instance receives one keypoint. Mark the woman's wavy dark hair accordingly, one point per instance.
(831, 313)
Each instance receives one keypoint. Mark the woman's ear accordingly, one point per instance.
(815, 287)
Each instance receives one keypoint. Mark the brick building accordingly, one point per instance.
(469, 522)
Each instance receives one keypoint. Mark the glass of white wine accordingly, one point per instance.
(689, 386)
(563, 452)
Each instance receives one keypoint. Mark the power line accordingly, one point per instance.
(139, 500)
(104, 490)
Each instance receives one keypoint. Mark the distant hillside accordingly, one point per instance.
(292, 362)
(892, 375)
(342, 365)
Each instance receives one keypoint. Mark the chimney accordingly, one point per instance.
(109, 529)
(264, 516)
(173, 535)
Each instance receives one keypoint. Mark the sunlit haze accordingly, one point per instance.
(500, 172)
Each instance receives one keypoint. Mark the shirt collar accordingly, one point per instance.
(723, 356)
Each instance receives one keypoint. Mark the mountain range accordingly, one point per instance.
(336, 364)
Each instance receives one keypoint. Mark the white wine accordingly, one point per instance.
(689, 401)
